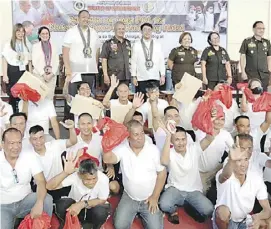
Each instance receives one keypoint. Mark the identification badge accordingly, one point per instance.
(149, 64)
(211, 53)
(48, 70)
(224, 61)
(181, 53)
(20, 57)
(87, 51)
(22, 67)
(251, 45)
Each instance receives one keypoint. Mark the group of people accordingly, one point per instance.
(164, 163)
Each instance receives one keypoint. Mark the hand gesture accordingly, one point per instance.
(36, 211)
(75, 209)
(162, 80)
(6, 79)
(114, 81)
(110, 171)
(229, 80)
(244, 75)
(153, 204)
(69, 163)
(236, 153)
(135, 82)
(138, 100)
(2, 112)
(213, 114)
(69, 124)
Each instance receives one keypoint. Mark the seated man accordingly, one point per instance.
(143, 179)
(122, 93)
(16, 171)
(93, 143)
(184, 183)
(237, 188)
(145, 108)
(42, 113)
(49, 153)
(18, 121)
(83, 89)
(88, 195)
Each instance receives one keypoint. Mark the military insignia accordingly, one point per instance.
(251, 45)
(264, 44)
(181, 53)
(114, 47)
(211, 53)
(192, 52)
(223, 52)
(181, 59)
(252, 51)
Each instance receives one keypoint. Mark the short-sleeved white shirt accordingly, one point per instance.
(145, 109)
(211, 157)
(256, 118)
(27, 166)
(184, 170)
(39, 115)
(116, 102)
(80, 192)
(94, 147)
(139, 172)
(73, 40)
(51, 160)
(240, 199)
(11, 56)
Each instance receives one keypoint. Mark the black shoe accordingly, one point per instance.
(174, 219)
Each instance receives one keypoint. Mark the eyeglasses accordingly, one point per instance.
(16, 179)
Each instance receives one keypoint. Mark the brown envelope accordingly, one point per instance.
(190, 86)
(35, 83)
(118, 113)
(81, 104)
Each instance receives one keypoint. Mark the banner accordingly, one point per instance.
(169, 18)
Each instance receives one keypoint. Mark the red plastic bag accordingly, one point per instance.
(86, 156)
(226, 95)
(263, 103)
(43, 222)
(202, 118)
(248, 93)
(25, 92)
(71, 222)
(114, 134)
(54, 222)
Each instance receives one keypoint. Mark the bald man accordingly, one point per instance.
(122, 91)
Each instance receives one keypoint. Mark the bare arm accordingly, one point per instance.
(110, 158)
(205, 142)
(243, 62)
(114, 84)
(66, 59)
(203, 69)
(41, 188)
(155, 115)
(73, 138)
(104, 66)
(129, 115)
(226, 172)
(244, 105)
(165, 158)
(25, 107)
(55, 127)
(55, 182)
(5, 67)
(159, 185)
(228, 69)
(170, 64)
(265, 213)
(267, 122)
(66, 91)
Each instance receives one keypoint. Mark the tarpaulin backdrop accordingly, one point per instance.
(169, 18)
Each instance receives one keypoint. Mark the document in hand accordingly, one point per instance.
(189, 87)
(118, 113)
(34, 83)
(81, 104)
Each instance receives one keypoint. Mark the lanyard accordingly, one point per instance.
(86, 43)
(148, 56)
(19, 47)
(47, 55)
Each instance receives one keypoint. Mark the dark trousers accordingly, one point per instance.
(88, 78)
(211, 84)
(143, 84)
(14, 74)
(97, 216)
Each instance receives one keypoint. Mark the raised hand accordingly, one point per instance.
(138, 100)
(70, 163)
(114, 81)
(236, 153)
(69, 124)
(2, 112)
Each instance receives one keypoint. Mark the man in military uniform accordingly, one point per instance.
(255, 57)
(115, 55)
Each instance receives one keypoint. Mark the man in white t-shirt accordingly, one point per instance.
(184, 184)
(81, 49)
(89, 192)
(237, 188)
(41, 113)
(143, 179)
(92, 142)
(122, 93)
(18, 121)
(16, 171)
(49, 153)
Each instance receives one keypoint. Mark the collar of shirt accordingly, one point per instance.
(256, 40)
(116, 40)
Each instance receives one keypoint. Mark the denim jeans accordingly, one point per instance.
(173, 198)
(127, 210)
(232, 224)
(96, 215)
(9, 212)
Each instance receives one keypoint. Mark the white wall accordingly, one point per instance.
(242, 14)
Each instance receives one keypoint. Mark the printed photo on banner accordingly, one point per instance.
(169, 17)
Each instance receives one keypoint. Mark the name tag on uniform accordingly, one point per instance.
(251, 45)
(181, 53)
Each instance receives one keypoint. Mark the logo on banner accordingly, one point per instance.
(79, 5)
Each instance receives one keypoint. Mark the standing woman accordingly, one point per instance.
(182, 59)
(16, 60)
(215, 63)
(45, 60)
